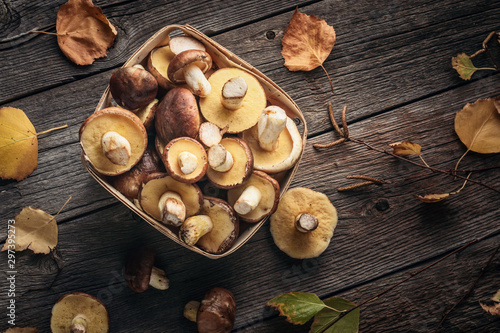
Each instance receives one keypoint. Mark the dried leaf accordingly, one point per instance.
(464, 66)
(35, 230)
(492, 308)
(406, 148)
(297, 307)
(307, 42)
(18, 144)
(431, 198)
(496, 297)
(478, 126)
(347, 324)
(83, 32)
(22, 330)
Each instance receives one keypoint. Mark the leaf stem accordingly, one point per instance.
(420, 155)
(44, 32)
(36, 134)
(52, 129)
(71, 196)
(329, 307)
(328, 76)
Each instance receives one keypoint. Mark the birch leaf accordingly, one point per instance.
(478, 126)
(431, 198)
(406, 148)
(297, 307)
(307, 42)
(492, 308)
(22, 330)
(464, 66)
(347, 324)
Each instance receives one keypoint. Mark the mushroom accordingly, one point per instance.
(217, 311)
(257, 198)
(225, 226)
(209, 134)
(191, 310)
(233, 92)
(275, 141)
(194, 228)
(247, 114)
(189, 66)
(241, 166)
(156, 203)
(147, 114)
(79, 312)
(183, 43)
(219, 158)
(133, 87)
(185, 159)
(140, 272)
(113, 140)
(303, 224)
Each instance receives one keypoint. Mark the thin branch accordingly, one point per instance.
(476, 170)
(483, 269)
(344, 122)
(328, 145)
(355, 186)
(333, 121)
(397, 284)
(368, 178)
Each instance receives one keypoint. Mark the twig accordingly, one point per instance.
(476, 170)
(328, 145)
(372, 179)
(328, 76)
(333, 121)
(485, 47)
(397, 284)
(344, 122)
(483, 269)
(354, 186)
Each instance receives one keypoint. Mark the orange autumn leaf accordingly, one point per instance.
(83, 32)
(406, 148)
(431, 198)
(307, 42)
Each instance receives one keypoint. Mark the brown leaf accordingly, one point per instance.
(22, 330)
(35, 230)
(83, 32)
(406, 148)
(478, 126)
(307, 42)
(431, 198)
(493, 308)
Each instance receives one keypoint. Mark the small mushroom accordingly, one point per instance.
(209, 134)
(194, 228)
(189, 66)
(275, 141)
(233, 92)
(79, 313)
(173, 210)
(133, 87)
(140, 272)
(303, 224)
(113, 140)
(217, 311)
(242, 164)
(256, 199)
(246, 115)
(191, 310)
(185, 159)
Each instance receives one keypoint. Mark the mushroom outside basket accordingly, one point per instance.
(222, 58)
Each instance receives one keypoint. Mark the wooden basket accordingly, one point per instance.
(222, 58)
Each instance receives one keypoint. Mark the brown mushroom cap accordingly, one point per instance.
(77, 303)
(284, 157)
(217, 311)
(270, 191)
(138, 268)
(242, 165)
(133, 87)
(297, 244)
(157, 184)
(198, 57)
(171, 159)
(119, 120)
(247, 115)
(225, 226)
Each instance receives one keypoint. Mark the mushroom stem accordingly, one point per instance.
(196, 80)
(195, 227)
(188, 162)
(139, 66)
(173, 210)
(79, 324)
(306, 222)
(191, 310)
(233, 92)
(271, 123)
(248, 200)
(116, 148)
(219, 158)
(209, 134)
(159, 279)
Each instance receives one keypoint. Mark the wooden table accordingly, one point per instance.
(391, 66)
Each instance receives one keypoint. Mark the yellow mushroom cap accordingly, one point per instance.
(297, 244)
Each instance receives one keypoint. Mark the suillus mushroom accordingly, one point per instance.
(252, 103)
(225, 226)
(140, 272)
(159, 198)
(113, 140)
(209, 134)
(233, 92)
(190, 66)
(219, 158)
(133, 87)
(194, 228)
(275, 141)
(303, 224)
(147, 114)
(183, 43)
(239, 169)
(217, 311)
(79, 312)
(185, 159)
(257, 198)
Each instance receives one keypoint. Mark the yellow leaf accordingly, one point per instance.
(35, 230)
(307, 42)
(18, 144)
(83, 32)
(406, 148)
(431, 198)
(464, 66)
(478, 126)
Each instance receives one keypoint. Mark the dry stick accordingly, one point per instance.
(354, 186)
(328, 145)
(397, 284)
(483, 269)
(372, 179)
(344, 122)
(333, 121)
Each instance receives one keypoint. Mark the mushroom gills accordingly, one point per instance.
(248, 200)
(233, 92)
(173, 210)
(219, 158)
(194, 228)
(116, 148)
(271, 123)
